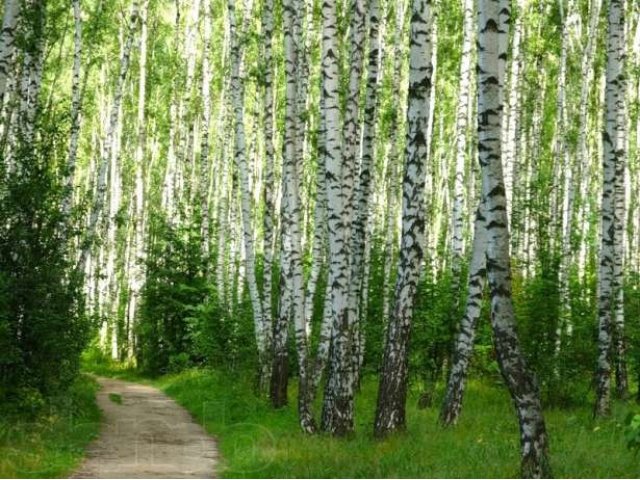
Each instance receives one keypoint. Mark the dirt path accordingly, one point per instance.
(147, 435)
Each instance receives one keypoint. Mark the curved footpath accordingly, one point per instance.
(145, 434)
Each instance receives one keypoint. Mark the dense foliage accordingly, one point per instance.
(43, 324)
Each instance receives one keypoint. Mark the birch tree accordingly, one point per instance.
(564, 159)
(74, 137)
(7, 42)
(337, 414)
(390, 410)
(493, 35)
(609, 271)
(291, 260)
(392, 169)
(364, 184)
(461, 132)
(136, 273)
(582, 156)
(510, 126)
(237, 94)
(269, 180)
(30, 78)
(463, 348)
(206, 119)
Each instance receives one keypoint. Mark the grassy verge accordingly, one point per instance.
(51, 442)
(256, 441)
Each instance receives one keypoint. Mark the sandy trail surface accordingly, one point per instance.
(147, 435)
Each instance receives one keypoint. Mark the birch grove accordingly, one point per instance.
(419, 201)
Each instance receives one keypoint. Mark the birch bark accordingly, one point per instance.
(461, 132)
(463, 349)
(137, 269)
(337, 414)
(7, 42)
(268, 185)
(240, 158)
(204, 144)
(390, 411)
(562, 154)
(493, 40)
(582, 156)
(69, 174)
(291, 261)
(364, 186)
(613, 161)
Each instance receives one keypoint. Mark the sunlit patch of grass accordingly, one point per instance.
(51, 443)
(101, 365)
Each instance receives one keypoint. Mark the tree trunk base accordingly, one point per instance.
(337, 419)
(536, 465)
(279, 381)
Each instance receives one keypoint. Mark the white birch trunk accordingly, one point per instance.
(337, 412)
(613, 160)
(461, 133)
(30, 78)
(240, 156)
(7, 43)
(69, 174)
(510, 126)
(204, 145)
(137, 269)
(337, 409)
(364, 187)
(582, 156)
(268, 185)
(463, 348)
(493, 39)
(392, 171)
(390, 411)
(564, 159)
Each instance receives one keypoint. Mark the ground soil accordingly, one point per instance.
(147, 435)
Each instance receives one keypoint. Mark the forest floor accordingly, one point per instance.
(256, 441)
(145, 434)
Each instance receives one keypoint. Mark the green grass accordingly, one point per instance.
(51, 442)
(259, 442)
(256, 441)
(115, 398)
